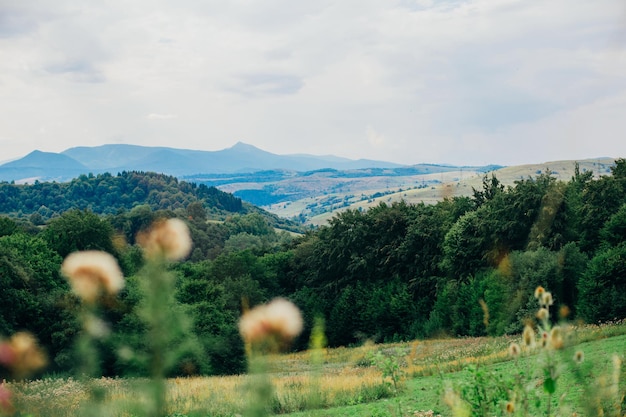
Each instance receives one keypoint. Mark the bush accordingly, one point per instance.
(602, 289)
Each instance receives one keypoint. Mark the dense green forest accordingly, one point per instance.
(463, 267)
(107, 194)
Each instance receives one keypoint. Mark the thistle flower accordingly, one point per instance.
(514, 349)
(91, 272)
(556, 338)
(22, 355)
(579, 356)
(167, 238)
(546, 299)
(528, 336)
(543, 314)
(539, 292)
(280, 321)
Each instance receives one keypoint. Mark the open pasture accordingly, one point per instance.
(332, 382)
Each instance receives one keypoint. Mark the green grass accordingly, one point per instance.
(425, 393)
(351, 383)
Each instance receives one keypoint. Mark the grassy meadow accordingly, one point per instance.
(349, 381)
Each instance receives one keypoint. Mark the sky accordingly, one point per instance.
(464, 82)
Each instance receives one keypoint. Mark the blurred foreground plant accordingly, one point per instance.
(491, 393)
(168, 334)
(95, 277)
(265, 329)
(20, 357)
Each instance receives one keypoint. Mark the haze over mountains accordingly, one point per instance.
(307, 187)
(240, 158)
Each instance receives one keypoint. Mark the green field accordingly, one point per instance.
(352, 382)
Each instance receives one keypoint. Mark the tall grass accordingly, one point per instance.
(347, 377)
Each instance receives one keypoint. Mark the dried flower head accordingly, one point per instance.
(25, 355)
(539, 292)
(91, 272)
(546, 299)
(278, 321)
(543, 314)
(579, 356)
(514, 349)
(528, 336)
(556, 338)
(169, 239)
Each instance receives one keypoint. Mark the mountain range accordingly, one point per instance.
(114, 158)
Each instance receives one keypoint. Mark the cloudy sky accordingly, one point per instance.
(440, 81)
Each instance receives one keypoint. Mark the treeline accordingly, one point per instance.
(107, 194)
(463, 267)
(468, 266)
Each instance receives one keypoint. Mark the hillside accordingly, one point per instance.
(106, 194)
(429, 188)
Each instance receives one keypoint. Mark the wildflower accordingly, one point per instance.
(546, 299)
(564, 312)
(280, 320)
(556, 338)
(579, 356)
(25, 356)
(167, 238)
(90, 272)
(543, 314)
(528, 336)
(539, 292)
(510, 407)
(514, 349)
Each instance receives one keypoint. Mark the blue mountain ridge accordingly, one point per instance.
(114, 158)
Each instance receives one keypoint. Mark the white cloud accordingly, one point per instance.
(458, 81)
(374, 138)
(157, 116)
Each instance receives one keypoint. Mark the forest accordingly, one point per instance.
(466, 266)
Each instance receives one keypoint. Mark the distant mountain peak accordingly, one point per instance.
(242, 146)
(40, 159)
